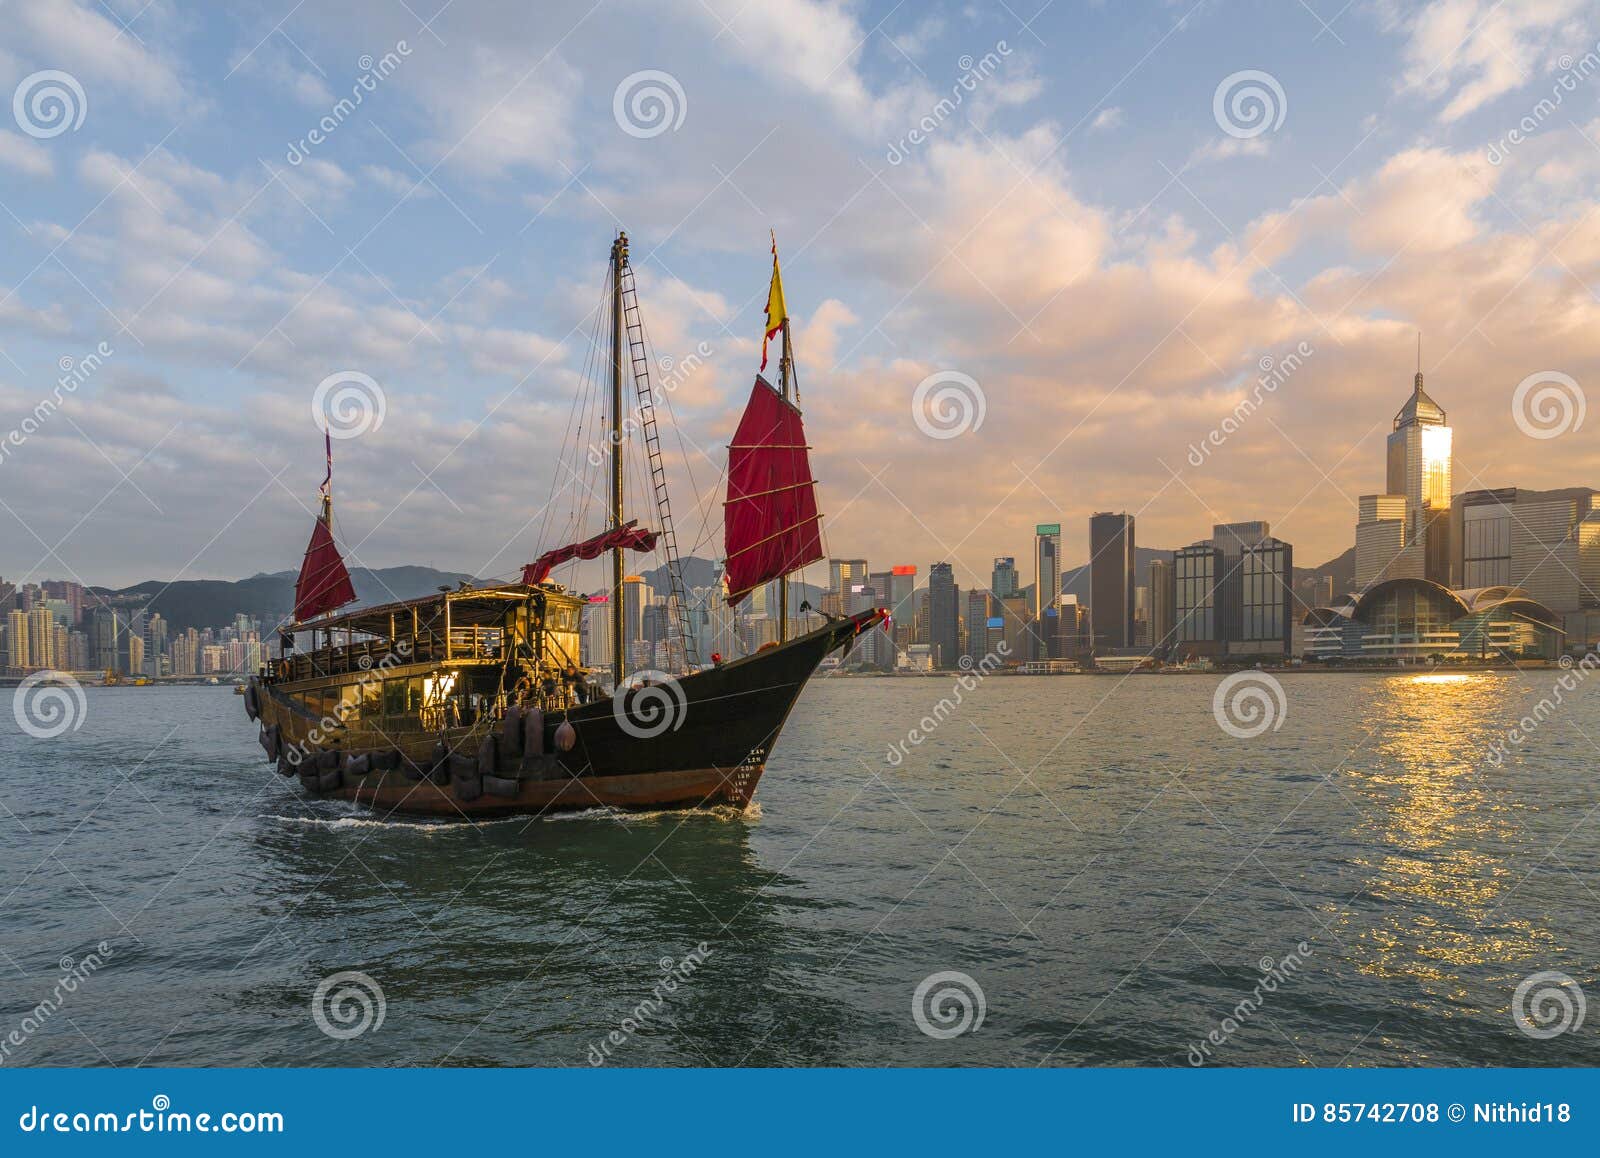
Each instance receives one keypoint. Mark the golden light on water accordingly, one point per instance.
(1432, 902)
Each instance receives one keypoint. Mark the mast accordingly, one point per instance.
(785, 370)
(619, 260)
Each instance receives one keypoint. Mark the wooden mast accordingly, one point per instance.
(785, 370)
(619, 259)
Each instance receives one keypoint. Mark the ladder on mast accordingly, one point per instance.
(678, 609)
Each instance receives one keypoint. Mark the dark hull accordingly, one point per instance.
(699, 741)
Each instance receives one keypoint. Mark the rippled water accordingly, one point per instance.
(1105, 863)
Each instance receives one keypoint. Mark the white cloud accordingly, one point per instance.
(1474, 51)
(25, 156)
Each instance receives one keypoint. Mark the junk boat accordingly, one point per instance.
(474, 701)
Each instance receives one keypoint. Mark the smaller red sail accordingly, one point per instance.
(771, 524)
(324, 582)
(629, 536)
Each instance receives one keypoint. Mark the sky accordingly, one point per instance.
(1041, 260)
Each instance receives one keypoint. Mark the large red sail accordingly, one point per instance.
(771, 522)
(324, 582)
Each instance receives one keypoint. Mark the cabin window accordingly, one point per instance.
(348, 705)
(394, 697)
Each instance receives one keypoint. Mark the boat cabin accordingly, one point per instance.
(449, 660)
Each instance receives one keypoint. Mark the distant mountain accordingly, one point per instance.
(1342, 568)
(202, 603)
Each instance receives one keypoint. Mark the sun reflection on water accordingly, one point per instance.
(1431, 903)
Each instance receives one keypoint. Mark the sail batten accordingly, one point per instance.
(771, 522)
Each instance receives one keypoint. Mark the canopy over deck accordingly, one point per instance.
(468, 607)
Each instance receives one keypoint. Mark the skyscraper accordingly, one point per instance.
(17, 654)
(1197, 574)
(1381, 547)
(1046, 568)
(1162, 596)
(1418, 476)
(1233, 540)
(1267, 600)
(944, 615)
(902, 592)
(1111, 578)
(636, 596)
(844, 574)
(1003, 580)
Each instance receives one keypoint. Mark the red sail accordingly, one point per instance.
(629, 535)
(324, 583)
(771, 522)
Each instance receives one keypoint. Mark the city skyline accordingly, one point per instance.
(1158, 312)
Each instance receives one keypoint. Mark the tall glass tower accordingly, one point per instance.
(1419, 469)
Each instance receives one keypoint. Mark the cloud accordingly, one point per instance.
(1474, 51)
(1108, 118)
(83, 41)
(25, 156)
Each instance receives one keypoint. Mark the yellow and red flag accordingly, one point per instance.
(777, 315)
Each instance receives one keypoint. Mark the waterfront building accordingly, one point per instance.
(1266, 600)
(1545, 542)
(1162, 596)
(944, 615)
(1074, 631)
(1233, 540)
(1413, 619)
(42, 637)
(1197, 574)
(18, 657)
(1111, 578)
